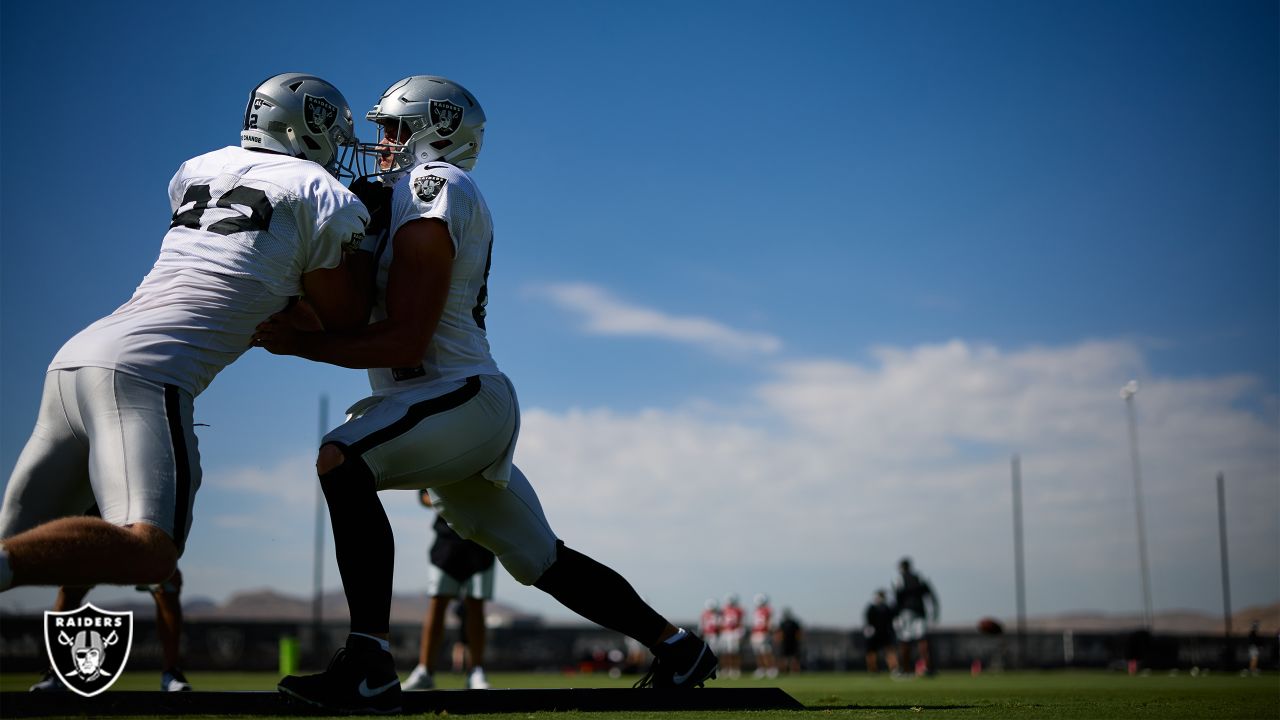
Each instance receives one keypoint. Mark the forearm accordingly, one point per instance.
(364, 273)
(341, 297)
(378, 345)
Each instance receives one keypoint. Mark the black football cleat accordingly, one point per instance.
(361, 679)
(686, 663)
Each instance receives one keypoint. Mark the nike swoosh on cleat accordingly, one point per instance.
(679, 679)
(366, 692)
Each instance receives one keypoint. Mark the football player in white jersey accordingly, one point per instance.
(253, 228)
(442, 416)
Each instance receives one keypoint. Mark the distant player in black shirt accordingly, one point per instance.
(789, 636)
(877, 628)
(910, 592)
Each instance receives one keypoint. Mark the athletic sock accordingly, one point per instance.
(363, 543)
(386, 646)
(680, 633)
(600, 595)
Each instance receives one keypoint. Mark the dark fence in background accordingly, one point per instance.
(249, 646)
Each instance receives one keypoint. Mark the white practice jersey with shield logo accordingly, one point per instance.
(459, 348)
(246, 226)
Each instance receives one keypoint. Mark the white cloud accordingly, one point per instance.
(817, 479)
(604, 314)
(291, 481)
(844, 467)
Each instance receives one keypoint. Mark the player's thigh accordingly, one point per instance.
(908, 626)
(507, 520)
(731, 642)
(442, 584)
(51, 477)
(480, 585)
(408, 441)
(144, 462)
(713, 642)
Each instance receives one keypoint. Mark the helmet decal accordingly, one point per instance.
(320, 113)
(446, 117)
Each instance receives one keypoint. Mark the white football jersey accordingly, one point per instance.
(246, 226)
(459, 348)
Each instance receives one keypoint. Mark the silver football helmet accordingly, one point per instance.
(424, 118)
(302, 116)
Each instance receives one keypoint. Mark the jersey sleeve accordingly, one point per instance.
(175, 189)
(434, 191)
(340, 225)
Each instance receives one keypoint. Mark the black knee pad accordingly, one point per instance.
(353, 475)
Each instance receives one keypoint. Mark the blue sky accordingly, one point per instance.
(782, 289)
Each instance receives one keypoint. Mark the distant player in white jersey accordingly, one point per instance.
(253, 228)
(442, 416)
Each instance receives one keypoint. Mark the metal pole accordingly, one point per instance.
(1019, 578)
(317, 593)
(1226, 574)
(1129, 390)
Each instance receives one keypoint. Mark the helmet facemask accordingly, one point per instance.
(388, 158)
(422, 144)
(345, 161)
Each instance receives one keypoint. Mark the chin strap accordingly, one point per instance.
(294, 150)
(463, 148)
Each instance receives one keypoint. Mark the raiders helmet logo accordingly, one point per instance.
(427, 188)
(445, 117)
(320, 113)
(88, 647)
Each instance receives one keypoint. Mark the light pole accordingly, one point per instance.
(1127, 392)
(1227, 655)
(1019, 578)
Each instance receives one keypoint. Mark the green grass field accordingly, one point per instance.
(1070, 695)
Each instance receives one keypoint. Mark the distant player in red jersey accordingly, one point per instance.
(709, 624)
(731, 632)
(762, 637)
